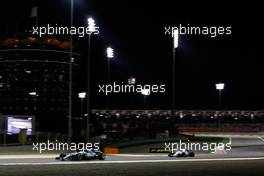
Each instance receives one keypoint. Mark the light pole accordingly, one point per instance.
(175, 46)
(109, 55)
(70, 80)
(82, 96)
(5, 130)
(145, 92)
(91, 29)
(131, 80)
(219, 87)
(34, 94)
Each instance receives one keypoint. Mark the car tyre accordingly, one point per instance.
(101, 157)
(170, 155)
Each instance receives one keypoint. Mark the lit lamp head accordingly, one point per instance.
(33, 93)
(91, 25)
(176, 38)
(82, 95)
(109, 52)
(131, 80)
(220, 86)
(145, 92)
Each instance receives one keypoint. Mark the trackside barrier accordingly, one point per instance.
(111, 150)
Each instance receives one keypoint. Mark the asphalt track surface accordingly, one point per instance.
(245, 158)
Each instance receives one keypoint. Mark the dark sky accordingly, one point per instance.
(135, 29)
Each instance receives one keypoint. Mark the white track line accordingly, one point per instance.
(243, 135)
(138, 155)
(26, 156)
(132, 161)
(53, 156)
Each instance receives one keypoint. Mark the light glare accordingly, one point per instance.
(110, 52)
(176, 38)
(82, 94)
(220, 86)
(145, 92)
(33, 93)
(91, 25)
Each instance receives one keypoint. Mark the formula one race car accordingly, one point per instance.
(82, 155)
(181, 153)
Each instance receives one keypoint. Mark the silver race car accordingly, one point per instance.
(182, 153)
(82, 155)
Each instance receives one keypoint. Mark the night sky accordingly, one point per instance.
(135, 29)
